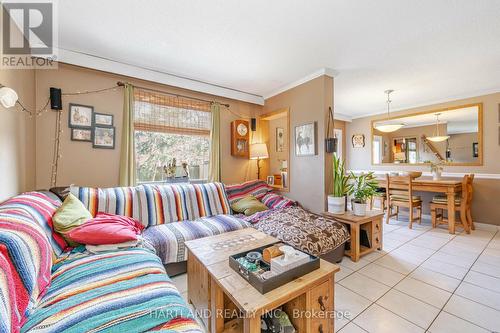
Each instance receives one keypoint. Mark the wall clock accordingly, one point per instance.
(240, 139)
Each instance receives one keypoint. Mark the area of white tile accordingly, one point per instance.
(435, 279)
(423, 291)
(382, 274)
(483, 280)
(410, 308)
(481, 315)
(352, 328)
(479, 295)
(376, 319)
(365, 286)
(447, 323)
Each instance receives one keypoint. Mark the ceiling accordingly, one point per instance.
(427, 51)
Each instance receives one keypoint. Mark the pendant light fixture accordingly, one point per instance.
(388, 125)
(437, 137)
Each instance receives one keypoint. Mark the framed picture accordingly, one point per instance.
(104, 137)
(81, 134)
(270, 180)
(358, 140)
(280, 139)
(475, 149)
(101, 119)
(305, 139)
(80, 115)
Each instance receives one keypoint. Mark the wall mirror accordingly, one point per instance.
(452, 136)
(277, 125)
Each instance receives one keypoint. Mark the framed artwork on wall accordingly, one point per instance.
(80, 116)
(305, 139)
(280, 139)
(81, 134)
(101, 119)
(104, 137)
(358, 140)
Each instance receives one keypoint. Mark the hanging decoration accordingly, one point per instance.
(10, 99)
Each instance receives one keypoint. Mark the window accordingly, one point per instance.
(167, 128)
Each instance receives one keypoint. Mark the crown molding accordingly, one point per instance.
(323, 71)
(149, 74)
(341, 116)
(455, 98)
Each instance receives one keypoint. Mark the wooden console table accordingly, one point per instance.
(214, 286)
(371, 223)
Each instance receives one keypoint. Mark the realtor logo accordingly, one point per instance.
(29, 34)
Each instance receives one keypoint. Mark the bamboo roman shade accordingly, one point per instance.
(164, 113)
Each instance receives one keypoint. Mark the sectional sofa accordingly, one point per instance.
(45, 287)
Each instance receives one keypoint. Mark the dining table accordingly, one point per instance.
(446, 185)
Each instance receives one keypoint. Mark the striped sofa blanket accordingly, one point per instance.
(45, 288)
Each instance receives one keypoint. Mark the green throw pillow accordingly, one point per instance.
(70, 215)
(249, 205)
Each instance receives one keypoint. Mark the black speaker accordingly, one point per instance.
(55, 99)
(253, 124)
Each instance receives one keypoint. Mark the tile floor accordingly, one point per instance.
(424, 280)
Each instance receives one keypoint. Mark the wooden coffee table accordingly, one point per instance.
(214, 286)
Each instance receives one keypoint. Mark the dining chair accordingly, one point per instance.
(463, 203)
(399, 190)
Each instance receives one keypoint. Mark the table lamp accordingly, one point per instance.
(258, 151)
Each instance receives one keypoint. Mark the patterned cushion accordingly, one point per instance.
(442, 199)
(25, 260)
(256, 188)
(168, 239)
(304, 230)
(120, 291)
(41, 208)
(273, 200)
(115, 200)
(396, 197)
(162, 204)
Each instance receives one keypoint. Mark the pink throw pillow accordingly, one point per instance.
(106, 229)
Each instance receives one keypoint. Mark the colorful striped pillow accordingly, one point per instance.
(273, 200)
(41, 208)
(257, 188)
(10, 320)
(26, 258)
(160, 204)
(115, 200)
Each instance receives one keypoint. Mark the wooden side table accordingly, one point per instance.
(371, 223)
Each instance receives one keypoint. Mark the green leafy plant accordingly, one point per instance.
(340, 178)
(362, 187)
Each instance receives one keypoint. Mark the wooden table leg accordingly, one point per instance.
(355, 242)
(251, 324)
(216, 307)
(451, 212)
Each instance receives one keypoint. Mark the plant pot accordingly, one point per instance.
(336, 205)
(359, 209)
(436, 175)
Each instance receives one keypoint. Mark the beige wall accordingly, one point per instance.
(307, 102)
(83, 165)
(17, 161)
(487, 191)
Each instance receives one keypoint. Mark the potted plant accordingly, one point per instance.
(337, 200)
(362, 188)
(436, 169)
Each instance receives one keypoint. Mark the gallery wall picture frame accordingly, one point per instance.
(103, 137)
(103, 119)
(280, 139)
(475, 149)
(358, 140)
(306, 142)
(81, 134)
(80, 116)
